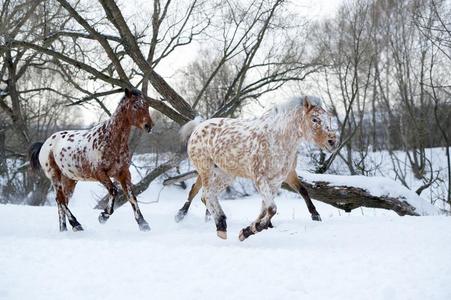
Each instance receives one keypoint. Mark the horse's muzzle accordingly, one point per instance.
(331, 143)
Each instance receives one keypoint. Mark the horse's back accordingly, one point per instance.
(66, 150)
(228, 143)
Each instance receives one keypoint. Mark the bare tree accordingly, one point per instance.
(345, 43)
(30, 93)
(433, 24)
(101, 45)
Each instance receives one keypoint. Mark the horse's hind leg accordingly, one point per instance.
(68, 186)
(192, 193)
(61, 218)
(76, 226)
(207, 212)
(213, 185)
(215, 209)
(64, 188)
(294, 182)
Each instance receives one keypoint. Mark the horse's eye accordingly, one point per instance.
(315, 120)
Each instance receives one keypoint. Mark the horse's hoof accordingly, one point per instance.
(316, 217)
(179, 216)
(144, 226)
(270, 225)
(241, 236)
(62, 229)
(247, 232)
(77, 228)
(222, 234)
(103, 217)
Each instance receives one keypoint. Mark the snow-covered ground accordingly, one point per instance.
(368, 254)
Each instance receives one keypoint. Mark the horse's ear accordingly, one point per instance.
(307, 105)
(128, 93)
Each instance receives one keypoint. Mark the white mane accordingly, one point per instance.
(293, 103)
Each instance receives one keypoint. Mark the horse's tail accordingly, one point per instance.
(33, 156)
(188, 128)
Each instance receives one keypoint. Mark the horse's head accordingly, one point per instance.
(138, 108)
(317, 125)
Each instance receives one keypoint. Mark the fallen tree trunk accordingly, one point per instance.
(143, 184)
(349, 196)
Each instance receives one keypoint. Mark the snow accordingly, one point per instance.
(367, 254)
(377, 186)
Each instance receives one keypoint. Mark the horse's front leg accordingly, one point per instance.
(125, 180)
(262, 214)
(269, 209)
(112, 194)
(192, 193)
(294, 182)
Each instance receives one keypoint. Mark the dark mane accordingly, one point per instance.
(136, 92)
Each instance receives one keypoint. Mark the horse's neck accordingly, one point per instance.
(285, 128)
(119, 128)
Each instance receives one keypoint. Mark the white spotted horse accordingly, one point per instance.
(262, 149)
(96, 154)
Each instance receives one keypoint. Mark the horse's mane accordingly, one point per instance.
(134, 92)
(292, 104)
(283, 112)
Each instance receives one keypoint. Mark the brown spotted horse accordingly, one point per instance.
(96, 154)
(262, 149)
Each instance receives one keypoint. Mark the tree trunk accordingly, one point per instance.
(350, 197)
(2, 153)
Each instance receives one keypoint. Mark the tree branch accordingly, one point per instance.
(131, 47)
